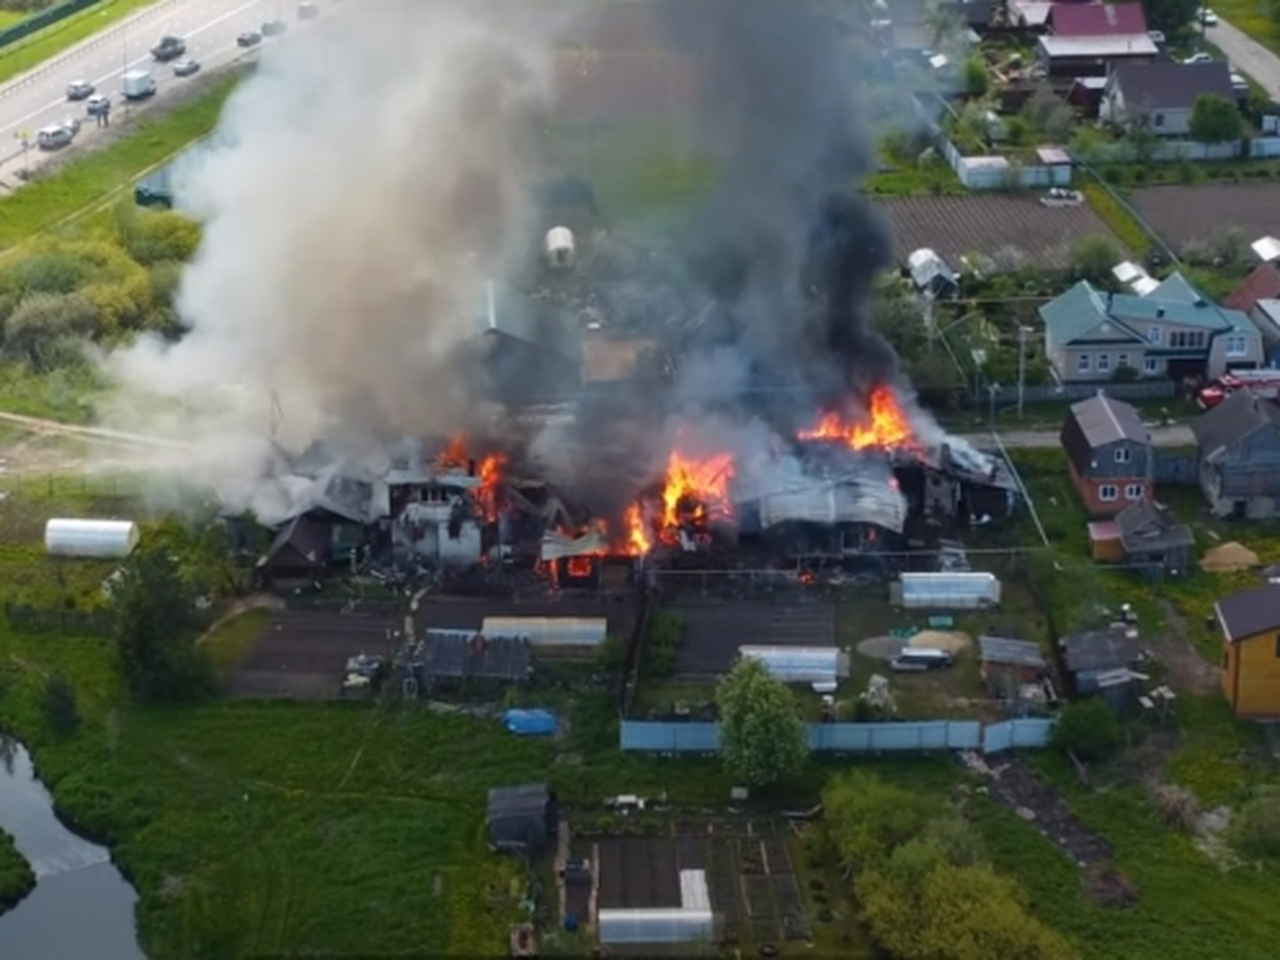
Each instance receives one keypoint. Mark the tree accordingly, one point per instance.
(1214, 119)
(762, 737)
(1093, 257)
(1049, 114)
(1088, 729)
(1170, 16)
(155, 623)
(867, 818)
(974, 78)
(41, 321)
(58, 704)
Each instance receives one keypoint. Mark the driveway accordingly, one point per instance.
(1247, 56)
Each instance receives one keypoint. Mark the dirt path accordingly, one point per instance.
(100, 434)
(259, 601)
(1188, 671)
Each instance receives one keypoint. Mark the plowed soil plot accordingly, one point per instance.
(714, 631)
(790, 908)
(1203, 213)
(1008, 229)
(638, 874)
(775, 852)
(304, 653)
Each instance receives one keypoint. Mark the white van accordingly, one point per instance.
(137, 85)
(916, 659)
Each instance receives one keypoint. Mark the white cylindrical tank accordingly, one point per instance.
(560, 247)
(90, 538)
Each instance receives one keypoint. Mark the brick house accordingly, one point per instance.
(1109, 455)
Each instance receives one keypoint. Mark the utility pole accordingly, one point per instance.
(992, 390)
(1023, 331)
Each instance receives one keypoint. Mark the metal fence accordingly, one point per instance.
(45, 18)
(980, 173)
(1175, 151)
(1064, 392)
(642, 736)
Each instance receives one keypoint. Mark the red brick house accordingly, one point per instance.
(1109, 455)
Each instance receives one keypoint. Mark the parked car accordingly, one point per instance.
(186, 67)
(1062, 197)
(1157, 37)
(98, 105)
(55, 136)
(79, 90)
(250, 38)
(308, 11)
(273, 28)
(1208, 17)
(169, 47)
(1199, 58)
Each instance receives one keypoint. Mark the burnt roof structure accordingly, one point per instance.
(1250, 613)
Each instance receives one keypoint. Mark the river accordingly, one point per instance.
(81, 905)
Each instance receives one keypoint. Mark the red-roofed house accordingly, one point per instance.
(1097, 20)
(1258, 296)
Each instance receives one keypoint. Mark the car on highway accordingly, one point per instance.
(97, 105)
(1199, 58)
(54, 137)
(186, 67)
(308, 11)
(72, 124)
(273, 28)
(169, 47)
(79, 90)
(1207, 17)
(250, 38)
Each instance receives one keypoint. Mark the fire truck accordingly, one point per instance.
(1264, 383)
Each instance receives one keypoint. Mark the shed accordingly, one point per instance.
(530, 723)
(948, 591)
(931, 275)
(542, 633)
(1020, 657)
(101, 539)
(1152, 537)
(816, 665)
(1095, 658)
(522, 819)
(1250, 624)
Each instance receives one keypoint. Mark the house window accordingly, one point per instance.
(1133, 491)
(1104, 362)
(1082, 363)
(1187, 339)
(1123, 455)
(1122, 360)
(1159, 119)
(1154, 336)
(1150, 365)
(1237, 346)
(1108, 491)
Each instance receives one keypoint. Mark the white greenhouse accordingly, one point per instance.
(798, 664)
(692, 922)
(90, 538)
(543, 632)
(949, 591)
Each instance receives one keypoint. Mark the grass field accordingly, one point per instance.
(16, 878)
(95, 178)
(52, 40)
(1252, 17)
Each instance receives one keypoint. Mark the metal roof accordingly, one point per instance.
(847, 500)
(557, 546)
(1250, 613)
(465, 653)
(1230, 422)
(1120, 46)
(1147, 526)
(1097, 650)
(549, 631)
(1267, 249)
(1022, 653)
(1102, 420)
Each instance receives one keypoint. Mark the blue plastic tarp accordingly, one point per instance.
(530, 723)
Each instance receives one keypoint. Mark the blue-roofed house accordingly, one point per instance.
(1174, 331)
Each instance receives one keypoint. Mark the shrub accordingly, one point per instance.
(1088, 729)
(1255, 829)
(1176, 806)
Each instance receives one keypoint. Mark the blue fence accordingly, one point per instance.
(642, 736)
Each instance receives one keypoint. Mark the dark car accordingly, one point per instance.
(250, 38)
(169, 48)
(273, 28)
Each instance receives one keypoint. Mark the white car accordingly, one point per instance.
(1208, 17)
(51, 138)
(1199, 58)
(79, 90)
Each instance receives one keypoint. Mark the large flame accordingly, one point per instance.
(886, 426)
(696, 491)
(639, 541)
(457, 456)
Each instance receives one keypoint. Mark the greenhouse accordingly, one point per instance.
(949, 591)
(693, 921)
(798, 664)
(104, 539)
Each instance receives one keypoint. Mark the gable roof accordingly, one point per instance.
(1116, 48)
(1097, 20)
(1099, 650)
(1078, 311)
(1247, 614)
(303, 537)
(1231, 421)
(1104, 420)
(1262, 283)
(1168, 85)
(1146, 526)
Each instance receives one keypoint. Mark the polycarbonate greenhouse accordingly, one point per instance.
(949, 591)
(691, 923)
(90, 538)
(797, 664)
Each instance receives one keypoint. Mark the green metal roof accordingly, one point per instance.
(1082, 309)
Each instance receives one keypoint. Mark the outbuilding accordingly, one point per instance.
(522, 819)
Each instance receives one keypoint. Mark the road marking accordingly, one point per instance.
(116, 72)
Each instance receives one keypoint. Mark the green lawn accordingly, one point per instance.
(229, 642)
(9, 17)
(16, 878)
(95, 178)
(1252, 17)
(52, 40)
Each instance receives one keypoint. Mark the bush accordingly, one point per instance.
(1255, 829)
(666, 631)
(1176, 806)
(1088, 729)
(58, 704)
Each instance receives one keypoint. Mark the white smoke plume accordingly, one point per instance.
(362, 186)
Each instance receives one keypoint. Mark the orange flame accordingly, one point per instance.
(490, 477)
(638, 542)
(453, 455)
(696, 491)
(579, 567)
(886, 427)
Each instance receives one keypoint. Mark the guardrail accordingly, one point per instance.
(41, 70)
(37, 21)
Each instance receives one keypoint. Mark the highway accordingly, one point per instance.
(38, 98)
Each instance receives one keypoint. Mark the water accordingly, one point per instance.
(81, 905)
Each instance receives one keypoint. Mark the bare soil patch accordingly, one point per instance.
(1202, 213)
(1017, 786)
(1188, 671)
(713, 632)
